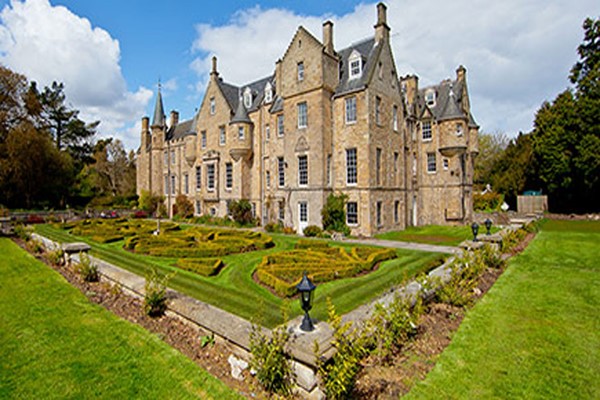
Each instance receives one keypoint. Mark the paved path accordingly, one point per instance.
(432, 248)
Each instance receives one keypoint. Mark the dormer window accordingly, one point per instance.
(268, 93)
(430, 98)
(247, 98)
(355, 63)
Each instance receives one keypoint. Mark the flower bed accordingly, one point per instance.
(283, 271)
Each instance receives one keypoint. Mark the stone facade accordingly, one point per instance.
(325, 122)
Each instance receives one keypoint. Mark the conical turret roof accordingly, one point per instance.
(241, 115)
(159, 111)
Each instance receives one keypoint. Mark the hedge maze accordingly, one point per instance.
(200, 250)
(282, 271)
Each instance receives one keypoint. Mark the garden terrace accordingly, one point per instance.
(234, 289)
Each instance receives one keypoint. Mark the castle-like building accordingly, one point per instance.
(327, 121)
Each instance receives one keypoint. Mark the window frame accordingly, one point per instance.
(353, 214)
(429, 131)
(213, 107)
(302, 112)
(198, 178)
(280, 125)
(203, 139)
(222, 136)
(303, 170)
(351, 166)
(300, 70)
(280, 172)
(210, 177)
(350, 108)
(228, 176)
(431, 163)
(378, 110)
(241, 133)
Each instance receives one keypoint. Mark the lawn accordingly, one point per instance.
(536, 334)
(235, 290)
(434, 234)
(54, 343)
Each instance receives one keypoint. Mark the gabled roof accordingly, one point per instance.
(448, 101)
(181, 130)
(232, 92)
(368, 52)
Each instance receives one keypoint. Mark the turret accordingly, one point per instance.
(241, 131)
(159, 112)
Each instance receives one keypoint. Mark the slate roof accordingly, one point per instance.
(368, 52)
(159, 111)
(232, 92)
(448, 102)
(182, 129)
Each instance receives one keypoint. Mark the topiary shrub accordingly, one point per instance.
(312, 231)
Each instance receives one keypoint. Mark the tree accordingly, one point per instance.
(152, 203)
(113, 170)
(241, 211)
(184, 207)
(491, 147)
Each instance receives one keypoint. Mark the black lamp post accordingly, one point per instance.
(488, 225)
(306, 289)
(475, 229)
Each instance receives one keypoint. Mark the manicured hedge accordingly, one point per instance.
(283, 271)
(201, 266)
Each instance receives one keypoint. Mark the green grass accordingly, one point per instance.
(55, 344)
(234, 289)
(434, 234)
(536, 334)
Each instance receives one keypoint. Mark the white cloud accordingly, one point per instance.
(49, 43)
(518, 54)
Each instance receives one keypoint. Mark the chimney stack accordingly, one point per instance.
(214, 66)
(174, 118)
(145, 124)
(328, 37)
(382, 30)
(461, 72)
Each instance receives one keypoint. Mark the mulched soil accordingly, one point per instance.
(377, 380)
(171, 329)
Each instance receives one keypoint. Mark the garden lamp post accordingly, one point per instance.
(306, 289)
(488, 225)
(475, 229)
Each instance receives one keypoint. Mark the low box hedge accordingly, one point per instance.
(201, 266)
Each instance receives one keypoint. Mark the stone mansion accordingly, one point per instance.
(326, 121)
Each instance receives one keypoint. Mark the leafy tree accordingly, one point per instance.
(241, 212)
(185, 208)
(151, 202)
(491, 147)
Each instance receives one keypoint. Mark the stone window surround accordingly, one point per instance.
(186, 183)
(241, 133)
(351, 167)
(378, 110)
(427, 131)
(300, 71)
(395, 118)
(222, 136)
(303, 211)
(431, 163)
(302, 108)
(303, 170)
(281, 172)
(350, 103)
(396, 211)
(198, 177)
(280, 125)
(203, 139)
(212, 106)
(210, 177)
(228, 176)
(379, 214)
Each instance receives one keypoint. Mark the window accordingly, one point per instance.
(228, 175)
(166, 155)
(302, 117)
(351, 110)
(355, 63)
(379, 212)
(378, 165)
(268, 178)
(280, 130)
(414, 164)
(203, 139)
(396, 156)
(210, 176)
(268, 93)
(186, 182)
(303, 211)
(281, 171)
(241, 133)
(430, 98)
(378, 110)
(351, 166)
(172, 184)
(166, 184)
(302, 170)
(431, 165)
(427, 130)
(459, 129)
(395, 118)
(213, 211)
(248, 98)
(446, 163)
(222, 136)
(396, 211)
(267, 132)
(212, 106)
(198, 178)
(352, 213)
(380, 71)
(300, 71)
(198, 208)
(281, 211)
(172, 156)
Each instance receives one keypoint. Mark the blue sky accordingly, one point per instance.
(111, 53)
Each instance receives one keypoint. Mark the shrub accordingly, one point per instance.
(23, 232)
(312, 231)
(34, 219)
(489, 201)
(155, 298)
(56, 257)
(334, 214)
(288, 230)
(492, 257)
(150, 202)
(273, 227)
(185, 208)
(201, 266)
(270, 360)
(140, 214)
(465, 271)
(34, 246)
(241, 211)
(339, 375)
(87, 269)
